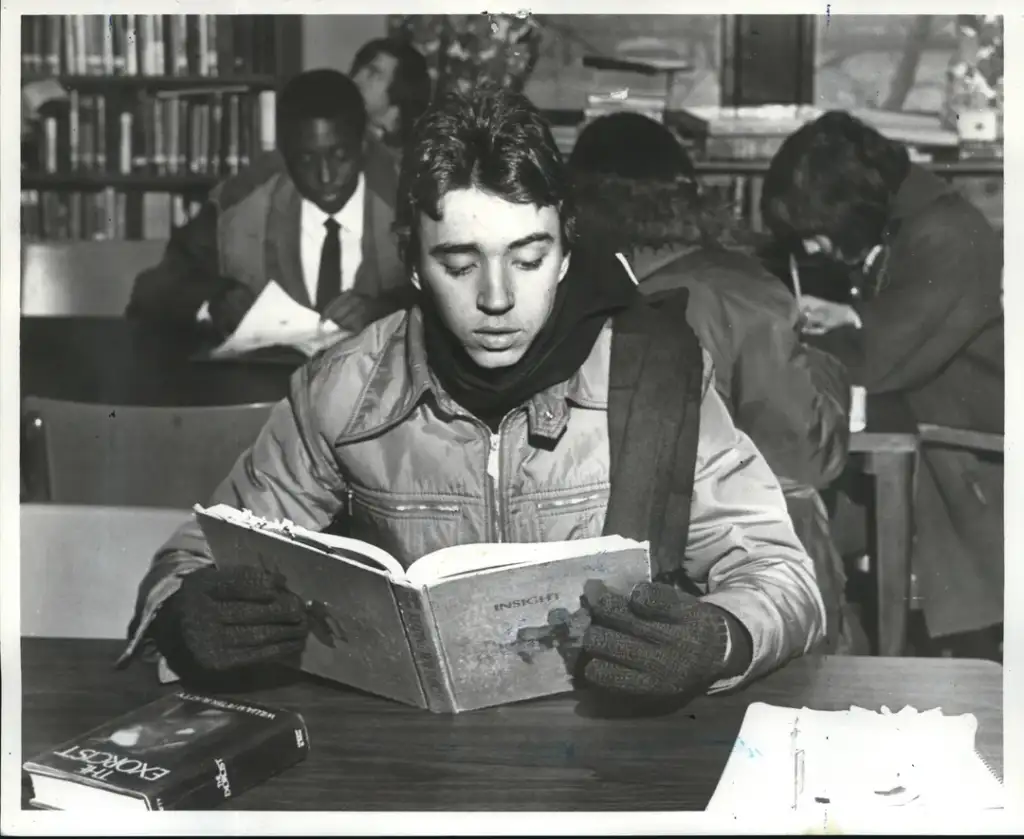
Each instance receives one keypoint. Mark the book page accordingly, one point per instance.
(353, 549)
(459, 560)
(278, 319)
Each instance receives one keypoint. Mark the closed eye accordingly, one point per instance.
(530, 266)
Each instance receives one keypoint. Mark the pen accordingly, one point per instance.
(794, 274)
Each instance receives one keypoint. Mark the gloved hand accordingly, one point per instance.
(228, 305)
(224, 619)
(659, 642)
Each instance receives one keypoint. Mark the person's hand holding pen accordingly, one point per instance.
(818, 316)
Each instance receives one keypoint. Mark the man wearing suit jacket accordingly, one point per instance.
(314, 216)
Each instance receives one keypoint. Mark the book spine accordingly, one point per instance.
(268, 117)
(246, 766)
(435, 683)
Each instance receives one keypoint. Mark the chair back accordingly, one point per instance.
(77, 453)
(81, 566)
(960, 438)
(83, 279)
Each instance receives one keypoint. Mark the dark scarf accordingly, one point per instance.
(595, 287)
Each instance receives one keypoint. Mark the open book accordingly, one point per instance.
(465, 627)
(854, 764)
(278, 321)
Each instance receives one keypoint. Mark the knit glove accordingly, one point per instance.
(659, 642)
(227, 618)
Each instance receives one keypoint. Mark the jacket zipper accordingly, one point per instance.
(494, 484)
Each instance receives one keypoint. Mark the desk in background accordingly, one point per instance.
(115, 361)
(372, 754)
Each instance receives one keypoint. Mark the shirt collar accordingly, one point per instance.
(350, 217)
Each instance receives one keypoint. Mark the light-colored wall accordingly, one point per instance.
(332, 40)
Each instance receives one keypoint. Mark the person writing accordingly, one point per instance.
(503, 407)
(315, 217)
(637, 190)
(927, 329)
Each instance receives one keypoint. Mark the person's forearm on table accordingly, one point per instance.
(174, 290)
(286, 474)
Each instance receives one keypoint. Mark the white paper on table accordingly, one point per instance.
(850, 764)
(277, 319)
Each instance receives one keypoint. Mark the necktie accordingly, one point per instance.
(328, 284)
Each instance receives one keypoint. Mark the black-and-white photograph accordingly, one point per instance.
(558, 412)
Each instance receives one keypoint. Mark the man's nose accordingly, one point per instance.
(495, 295)
(326, 172)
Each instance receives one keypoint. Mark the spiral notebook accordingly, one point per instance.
(855, 763)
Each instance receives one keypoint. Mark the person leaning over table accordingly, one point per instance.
(928, 327)
(314, 216)
(637, 189)
(491, 395)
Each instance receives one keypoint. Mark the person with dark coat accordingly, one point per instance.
(926, 328)
(637, 191)
(314, 216)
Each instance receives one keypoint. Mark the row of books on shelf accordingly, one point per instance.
(170, 133)
(104, 214)
(148, 45)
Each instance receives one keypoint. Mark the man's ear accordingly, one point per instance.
(564, 269)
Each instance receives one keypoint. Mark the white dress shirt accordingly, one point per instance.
(311, 239)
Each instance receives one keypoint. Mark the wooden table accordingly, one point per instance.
(372, 754)
(115, 361)
(888, 451)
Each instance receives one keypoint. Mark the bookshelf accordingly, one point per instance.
(152, 111)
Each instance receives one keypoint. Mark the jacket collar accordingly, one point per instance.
(400, 379)
(919, 189)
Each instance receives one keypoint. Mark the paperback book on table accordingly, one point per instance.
(465, 627)
(185, 751)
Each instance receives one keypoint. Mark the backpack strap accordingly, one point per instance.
(654, 399)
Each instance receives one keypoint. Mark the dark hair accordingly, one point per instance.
(636, 186)
(320, 94)
(494, 139)
(630, 145)
(410, 83)
(833, 177)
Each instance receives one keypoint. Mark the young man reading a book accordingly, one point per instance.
(512, 403)
(315, 217)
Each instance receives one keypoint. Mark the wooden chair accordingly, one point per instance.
(85, 279)
(75, 453)
(960, 438)
(81, 566)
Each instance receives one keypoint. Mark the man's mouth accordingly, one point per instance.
(496, 339)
